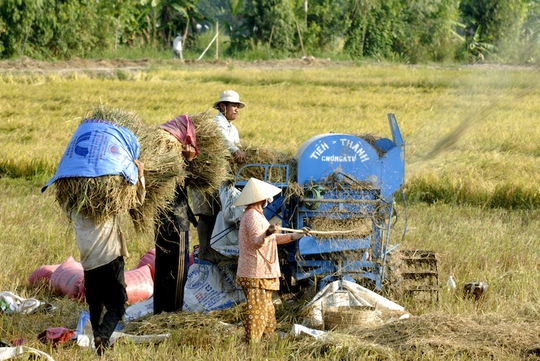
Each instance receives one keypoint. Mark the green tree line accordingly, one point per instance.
(409, 31)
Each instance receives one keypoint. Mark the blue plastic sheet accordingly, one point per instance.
(99, 148)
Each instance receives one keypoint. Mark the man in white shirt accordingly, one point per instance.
(177, 47)
(207, 208)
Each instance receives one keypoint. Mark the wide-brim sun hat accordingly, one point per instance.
(256, 191)
(229, 96)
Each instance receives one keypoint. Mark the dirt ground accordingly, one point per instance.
(107, 65)
(27, 65)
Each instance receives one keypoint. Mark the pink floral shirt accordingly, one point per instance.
(258, 254)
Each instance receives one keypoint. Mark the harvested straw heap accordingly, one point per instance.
(211, 167)
(164, 168)
(100, 197)
(259, 155)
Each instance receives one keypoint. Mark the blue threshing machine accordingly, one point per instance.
(344, 191)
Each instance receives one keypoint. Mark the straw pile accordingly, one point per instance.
(164, 168)
(434, 335)
(259, 155)
(211, 167)
(100, 197)
(371, 139)
(361, 227)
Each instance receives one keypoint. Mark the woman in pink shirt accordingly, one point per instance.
(258, 267)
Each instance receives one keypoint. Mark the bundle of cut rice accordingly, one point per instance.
(105, 196)
(259, 155)
(102, 197)
(211, 167)
(99, 198)
(371, 139)
(164, 167)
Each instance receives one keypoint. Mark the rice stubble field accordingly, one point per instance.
(472, 190)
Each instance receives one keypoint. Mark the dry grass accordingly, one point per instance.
(285, 107)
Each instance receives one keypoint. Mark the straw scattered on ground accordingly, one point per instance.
(432, 335)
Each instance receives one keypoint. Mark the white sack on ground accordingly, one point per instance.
(345, 293)
(8, 353)
(208, 288)
(12, 303)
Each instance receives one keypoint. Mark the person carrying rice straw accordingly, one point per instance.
(207, 208)
(172, 231)
(101, 148)
(258, 263)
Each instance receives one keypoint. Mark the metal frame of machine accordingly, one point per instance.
(343, 181)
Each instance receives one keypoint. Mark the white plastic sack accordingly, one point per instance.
(225, 232)
(345, 293)
(12, 303)
(8, 353)
(298, 330)
(139, 309)
(208, 289)
(139, 338)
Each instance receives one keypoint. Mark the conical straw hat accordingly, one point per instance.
(256, 191)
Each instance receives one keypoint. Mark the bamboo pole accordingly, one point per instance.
(271, 34)
(300, 36)
(290, 230)
(208, 47)
(217, 41)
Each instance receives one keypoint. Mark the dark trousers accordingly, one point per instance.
(171, 268)
(172, 258)
(105, 287)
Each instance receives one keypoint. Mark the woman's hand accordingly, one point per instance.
(274, 228)
(305, 232)
(239, 157)
(140, 167)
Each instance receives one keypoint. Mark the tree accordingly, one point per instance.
(530, 33)
(17, 19)
(237, 26)
(428, 30)
(372, 29)
(408, 30)
(177, 16)
(499, 21)
(325, 23)
(272, 22)
(115, 22)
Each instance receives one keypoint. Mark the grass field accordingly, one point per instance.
(472, 185)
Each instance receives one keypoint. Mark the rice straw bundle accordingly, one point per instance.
(100, 197)
(164, 167)
(371, 139)
(127, 119)
(259, 155)
(211, 167)
(360, 227)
